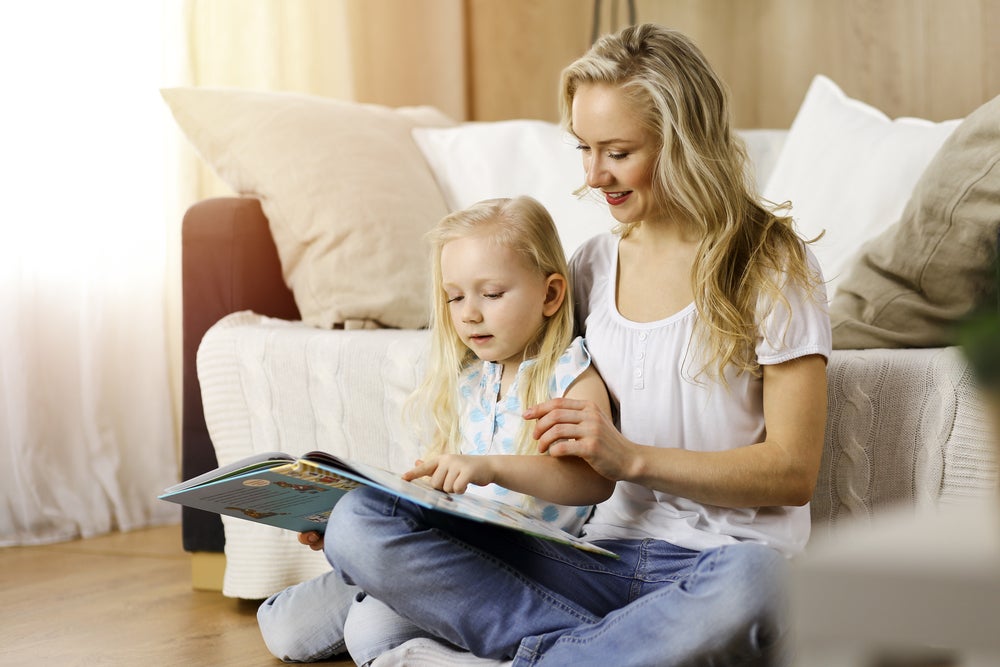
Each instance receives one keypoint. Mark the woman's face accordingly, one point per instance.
(618, 151)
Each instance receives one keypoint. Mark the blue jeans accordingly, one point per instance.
(305, 622)
(322, 617)
(503, 595)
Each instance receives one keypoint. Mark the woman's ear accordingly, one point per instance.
(555, 292)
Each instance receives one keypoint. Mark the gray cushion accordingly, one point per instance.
(911, 285)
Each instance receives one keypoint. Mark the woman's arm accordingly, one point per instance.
(781, 470)
(565, 480)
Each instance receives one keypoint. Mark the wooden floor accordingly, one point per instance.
(126, 599)
(120, 599)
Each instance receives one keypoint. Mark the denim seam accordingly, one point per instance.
(557, 555)
(693, 575)
(640, 568)
(538, 590)
(608, 624)
(531, 654)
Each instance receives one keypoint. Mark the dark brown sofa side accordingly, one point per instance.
(228, 263)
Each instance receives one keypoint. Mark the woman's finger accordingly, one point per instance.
(557, 432)
(542, 409)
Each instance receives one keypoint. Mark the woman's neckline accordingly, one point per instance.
(613, 298)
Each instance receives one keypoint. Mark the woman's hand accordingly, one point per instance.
(568, 427)
(452, 473)
(312, 539)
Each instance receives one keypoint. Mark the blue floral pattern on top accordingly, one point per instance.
(490, 424)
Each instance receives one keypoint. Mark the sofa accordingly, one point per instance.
(304, 294)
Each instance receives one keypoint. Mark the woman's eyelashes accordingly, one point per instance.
(614, 155)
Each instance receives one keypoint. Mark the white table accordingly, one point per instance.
(910, 582)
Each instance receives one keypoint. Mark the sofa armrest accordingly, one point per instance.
(905, 427)
(228, 263)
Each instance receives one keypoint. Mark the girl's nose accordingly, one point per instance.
(470, 312)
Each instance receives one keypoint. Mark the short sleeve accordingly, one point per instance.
(573, 362)
(797, 326)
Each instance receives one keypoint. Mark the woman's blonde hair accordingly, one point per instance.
(701, 175)
(523, 226)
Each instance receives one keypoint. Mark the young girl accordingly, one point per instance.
(500, 298)
(502, 340)
(706, 317)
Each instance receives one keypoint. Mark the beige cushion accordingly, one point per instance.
(346, 191)
(913, 283)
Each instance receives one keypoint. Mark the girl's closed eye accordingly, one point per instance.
(493, 295)
(453, 299)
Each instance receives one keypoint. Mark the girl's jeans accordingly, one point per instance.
(305, 622)
(501, 594)
(323, 617)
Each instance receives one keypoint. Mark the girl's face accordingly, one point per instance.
(498, 303)
(618, 152)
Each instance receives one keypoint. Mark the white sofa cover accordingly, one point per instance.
(905, 427)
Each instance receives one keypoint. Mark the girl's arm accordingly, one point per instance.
(781, 470)
(565, 480)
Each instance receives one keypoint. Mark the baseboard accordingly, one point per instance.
(207, 570)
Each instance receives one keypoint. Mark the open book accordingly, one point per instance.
(298, 494)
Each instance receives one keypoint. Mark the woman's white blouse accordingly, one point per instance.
(650, 372)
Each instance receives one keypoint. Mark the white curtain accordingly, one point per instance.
(94, 180)
(87, 434)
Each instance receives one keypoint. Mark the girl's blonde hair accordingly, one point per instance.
(701, 175)
(521, 225)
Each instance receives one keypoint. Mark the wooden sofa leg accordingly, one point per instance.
(207, 570)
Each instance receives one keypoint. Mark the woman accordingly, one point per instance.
(705, 315)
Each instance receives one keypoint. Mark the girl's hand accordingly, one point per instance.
(312, 539)
(452, 473)
(568, 427)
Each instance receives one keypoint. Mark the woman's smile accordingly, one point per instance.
(616, 198)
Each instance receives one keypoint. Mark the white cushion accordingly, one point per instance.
(476, 161)
(849, 170)
(763, 148)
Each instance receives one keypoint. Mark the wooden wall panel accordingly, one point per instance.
(935, 59)
(991, 47)
(953, 57)
(410, 52)
(517, 50)
(927, 58)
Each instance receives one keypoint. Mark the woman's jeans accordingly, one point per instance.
(501, 594)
